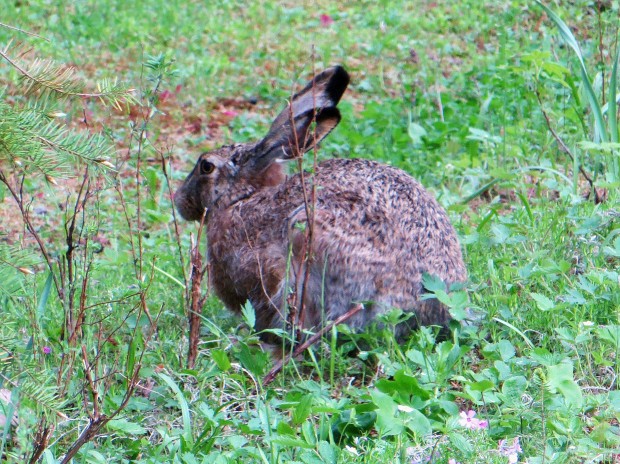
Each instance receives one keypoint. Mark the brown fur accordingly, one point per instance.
(376, 230)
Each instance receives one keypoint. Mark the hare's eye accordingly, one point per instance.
(206, 167)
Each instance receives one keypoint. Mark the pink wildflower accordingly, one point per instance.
(47, 350)
(165, 95)
(230, 113)
(469, 421)
(453, 461)
(326, 20)
(511, 451)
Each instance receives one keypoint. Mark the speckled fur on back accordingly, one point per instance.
(376, 230)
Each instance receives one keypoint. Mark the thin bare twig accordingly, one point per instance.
(97, 420)
(312, 207)
(297, 309)
(270, 377)
(175, 221)
(41, 440)
(19, 199)
(564, 147)
(68, 278)
(197, 299)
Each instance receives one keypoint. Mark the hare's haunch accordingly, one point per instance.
(375, 230)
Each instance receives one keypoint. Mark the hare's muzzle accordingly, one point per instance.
(186, 205)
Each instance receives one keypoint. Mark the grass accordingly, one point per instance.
(447, 92)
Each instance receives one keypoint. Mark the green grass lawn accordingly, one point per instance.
(469, 97)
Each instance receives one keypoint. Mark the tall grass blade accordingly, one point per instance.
(48, 457)
(510, 326)
(8, 413)
(612, 114)
(44, 296)
(187, 424)
(570, 40)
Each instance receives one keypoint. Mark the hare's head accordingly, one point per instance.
(228, 174)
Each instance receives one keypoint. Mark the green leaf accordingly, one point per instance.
(482, 136)
(417, 422)
(610, 334)
(249, 316)
(286, 440)
(302, 411)
(284, 429)
(433, 283)
(614, 400)
(514, 388)
(123, 425)
(613, 251)
(95, 457)
(415, 131)
(387, 423)
(137, 343)
(543, 303)
(252, 359)
(309, 432)
(328, 452)
(403, 384)
(48, 457)
(506, 350)
(481, 386)
(417, 357)
(458, 300)
(501, 233)
(516, 330)
(442, 296)
(308, 457)
(460, 442)
(220, 357)
(544, 357)
(606, 434)
(556, 70)
(560, 378)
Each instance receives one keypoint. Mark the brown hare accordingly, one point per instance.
(375, 230)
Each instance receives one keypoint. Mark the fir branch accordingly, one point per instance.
(15, 264)
(45, 76)
(8, 26)
(44, 396)
(32, 140)
(37, 392)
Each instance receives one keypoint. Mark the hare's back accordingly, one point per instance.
(383, 219)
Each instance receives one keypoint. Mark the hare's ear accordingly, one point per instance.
(323, 91)
(293, 132)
